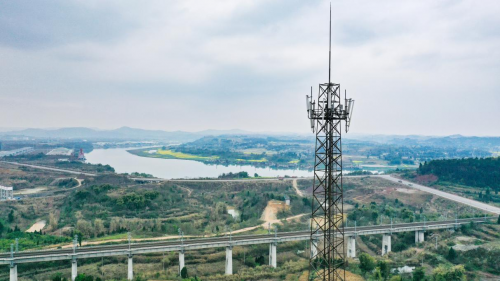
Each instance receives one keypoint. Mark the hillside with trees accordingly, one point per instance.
(474, 172)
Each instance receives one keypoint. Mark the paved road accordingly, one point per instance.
(304, 234)
(450, 196)
(49, 168)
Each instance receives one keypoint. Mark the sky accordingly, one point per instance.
(427, 67)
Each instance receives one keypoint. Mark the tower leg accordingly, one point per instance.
(229, 260)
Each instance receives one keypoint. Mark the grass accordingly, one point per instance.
(258, 160)
(294, 161)
(180, 155)
(255, 161)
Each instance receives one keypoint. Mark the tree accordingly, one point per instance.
(259, 260)
(377, 275)
(84, 227)
(98, 227)
(366, 262)
(445, 273)
(83, 277)
(53, 221)
(385, 269)
(452, 254)
(419, 274)
(11, 216)
(256, 175)
(1, 228)
(184, 272)
(498, 221)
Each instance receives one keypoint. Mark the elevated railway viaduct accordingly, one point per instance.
(228, 242)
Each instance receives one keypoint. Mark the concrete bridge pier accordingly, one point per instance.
(130, 275)
(386, 244)
(229, 260)
(272, 255)
(419, 237)
(74, 269)
(314, 248)
(13, 272)
(351, 246)
(181, 261)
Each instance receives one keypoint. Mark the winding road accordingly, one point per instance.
(449, 196)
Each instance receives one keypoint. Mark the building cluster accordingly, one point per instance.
(6, 192)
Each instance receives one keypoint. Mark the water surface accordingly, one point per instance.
(125, 162)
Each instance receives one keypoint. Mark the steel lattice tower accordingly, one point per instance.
(327, 221)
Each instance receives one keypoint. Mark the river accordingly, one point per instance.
(125, 162)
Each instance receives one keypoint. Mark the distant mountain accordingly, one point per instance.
(123, 133)
(456, 141)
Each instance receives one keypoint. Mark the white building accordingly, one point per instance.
(287, 200)
(6, 192)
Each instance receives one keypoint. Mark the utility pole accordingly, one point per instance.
(129, 236)
(326, 114)
(75, 243)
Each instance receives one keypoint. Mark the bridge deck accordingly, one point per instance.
(214, 242)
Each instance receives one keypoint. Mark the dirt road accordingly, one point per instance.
(297, 190)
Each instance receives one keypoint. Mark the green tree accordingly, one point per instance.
(419, 274)
(395, 278)
(385, 269)
(83, 277)
(377, 275)
(498, 221)
(259, 260)
(1, 228)
(447, 273)
(11, 216)
(452, 254)
(184, 272)
(366, 262)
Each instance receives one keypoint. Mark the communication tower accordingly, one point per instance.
(327, 222)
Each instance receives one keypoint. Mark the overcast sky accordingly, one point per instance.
(413, 67)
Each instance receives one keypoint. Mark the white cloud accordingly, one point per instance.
(413, 66)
